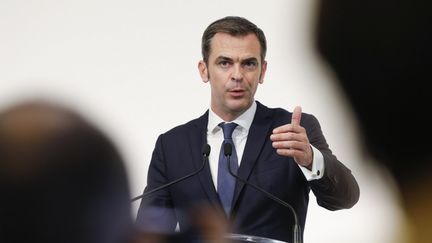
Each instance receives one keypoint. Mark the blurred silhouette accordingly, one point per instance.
(61, 179)
(207, 226)
(381, 52)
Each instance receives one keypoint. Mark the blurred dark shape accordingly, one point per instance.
(381, 52)
(207, 226)
(61, 179)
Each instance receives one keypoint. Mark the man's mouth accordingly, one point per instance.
(237, 92)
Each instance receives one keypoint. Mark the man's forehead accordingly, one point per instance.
(226, 45)
(225, 39)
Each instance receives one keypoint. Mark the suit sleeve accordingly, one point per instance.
(156, 212)
(337, 189)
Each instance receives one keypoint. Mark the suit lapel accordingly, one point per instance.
(197, 138)
(258, 134)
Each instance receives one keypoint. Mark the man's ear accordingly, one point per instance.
(203, 70)
(263, 72)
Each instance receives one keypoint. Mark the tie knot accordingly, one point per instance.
(228, 129)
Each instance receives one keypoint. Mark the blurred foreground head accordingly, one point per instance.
(61, 179)
(381, 52)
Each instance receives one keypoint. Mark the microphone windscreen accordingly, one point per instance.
(227, 149)
(205, 150)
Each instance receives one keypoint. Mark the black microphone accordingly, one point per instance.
(296, 228)
(205, 151)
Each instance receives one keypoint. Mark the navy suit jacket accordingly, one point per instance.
(178, 153)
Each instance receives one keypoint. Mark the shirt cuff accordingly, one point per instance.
(317, 171)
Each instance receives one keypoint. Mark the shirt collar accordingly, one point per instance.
(244, 121)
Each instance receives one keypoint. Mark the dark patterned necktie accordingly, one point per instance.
(226, 182)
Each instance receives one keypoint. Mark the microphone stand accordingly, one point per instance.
(205, 153)
(296, 228)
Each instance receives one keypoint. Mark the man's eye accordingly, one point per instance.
(250, 64)
(224, 63)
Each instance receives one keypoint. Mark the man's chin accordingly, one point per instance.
(239, 107)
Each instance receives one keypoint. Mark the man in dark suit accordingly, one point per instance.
(284, 153)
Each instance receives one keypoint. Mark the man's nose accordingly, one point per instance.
(237, 74)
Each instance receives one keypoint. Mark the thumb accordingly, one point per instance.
(296, 116)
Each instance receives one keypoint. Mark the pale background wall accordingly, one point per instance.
(124, 64)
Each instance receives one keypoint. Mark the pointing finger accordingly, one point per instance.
(296, 116)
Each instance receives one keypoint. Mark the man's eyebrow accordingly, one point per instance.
(250, 59)
(223, 58)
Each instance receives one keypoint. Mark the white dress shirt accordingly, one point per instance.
(239, 136)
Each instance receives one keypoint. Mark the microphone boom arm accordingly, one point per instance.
(296, 227)
(206, 152)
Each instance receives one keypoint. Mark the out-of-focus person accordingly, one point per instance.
(381, 53)
(61, 179)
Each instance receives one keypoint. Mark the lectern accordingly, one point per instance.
(239, 238)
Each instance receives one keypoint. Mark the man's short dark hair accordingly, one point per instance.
(235, 26)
